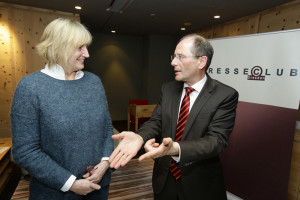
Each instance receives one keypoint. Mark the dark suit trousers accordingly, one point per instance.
(210, 189)
(172, 190)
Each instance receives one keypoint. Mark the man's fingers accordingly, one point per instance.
(150, 154)
(113, 155)
(150, 144)
(115, 160)
(124, 159)
(117, 150)
(127, 148)
(155, 145)
(167, 141)
(151, 141)
(127, 159)
(117, 136)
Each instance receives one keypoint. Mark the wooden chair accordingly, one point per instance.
(132, 117)
(137, 102)
(139, 111)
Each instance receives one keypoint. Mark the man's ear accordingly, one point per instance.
(202, 62)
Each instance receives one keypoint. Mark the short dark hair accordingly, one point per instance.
(201, 47)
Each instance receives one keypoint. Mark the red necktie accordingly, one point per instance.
(184, 112)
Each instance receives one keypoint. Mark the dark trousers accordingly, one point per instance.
(101, 194)
(172, 190)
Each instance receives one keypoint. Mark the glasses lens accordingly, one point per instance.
(172, 57)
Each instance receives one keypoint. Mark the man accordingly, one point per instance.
(188, 129)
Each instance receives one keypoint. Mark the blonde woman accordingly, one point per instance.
(61, 127)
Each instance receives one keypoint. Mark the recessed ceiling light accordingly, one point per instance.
(217, 16)
(78, 7)
(183, 29)
(113, 31)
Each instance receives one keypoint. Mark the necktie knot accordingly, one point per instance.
(188, 90)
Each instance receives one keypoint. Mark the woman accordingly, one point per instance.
(60, 120)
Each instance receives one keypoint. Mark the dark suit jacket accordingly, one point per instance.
(205, 136)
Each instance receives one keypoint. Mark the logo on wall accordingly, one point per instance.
(256, 74)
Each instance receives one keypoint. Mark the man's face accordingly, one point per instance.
(187, 66)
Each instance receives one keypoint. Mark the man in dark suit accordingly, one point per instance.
(189, 128)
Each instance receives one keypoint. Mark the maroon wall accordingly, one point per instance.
(257, 161)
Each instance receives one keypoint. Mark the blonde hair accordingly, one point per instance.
(60, 39)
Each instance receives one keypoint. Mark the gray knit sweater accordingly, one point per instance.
(59, 127)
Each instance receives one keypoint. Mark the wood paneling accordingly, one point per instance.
(20, 30)
(281, 18)
(284, 17)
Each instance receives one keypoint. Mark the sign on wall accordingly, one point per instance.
(265, 70)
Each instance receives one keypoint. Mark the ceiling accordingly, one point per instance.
(155, 16)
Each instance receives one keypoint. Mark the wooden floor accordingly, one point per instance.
(133, 181)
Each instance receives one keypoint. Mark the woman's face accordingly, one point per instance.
(76, 60)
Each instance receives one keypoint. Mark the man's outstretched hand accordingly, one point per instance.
(155, 150)
(130, 144)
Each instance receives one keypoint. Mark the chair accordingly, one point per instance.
(132, 114)
(138, 102)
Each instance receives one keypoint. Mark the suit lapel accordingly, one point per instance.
(198, 105)
(175, 107)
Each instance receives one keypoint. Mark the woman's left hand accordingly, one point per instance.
(98, 172)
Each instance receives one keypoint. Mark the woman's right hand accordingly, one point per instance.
(83, 187)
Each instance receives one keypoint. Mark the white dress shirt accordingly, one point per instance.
(193, 96)
(58, 72)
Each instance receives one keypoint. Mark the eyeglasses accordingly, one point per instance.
(182, 57)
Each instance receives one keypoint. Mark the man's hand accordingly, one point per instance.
(154, 150)
(83, 187)
(128, 147)
(98, 172)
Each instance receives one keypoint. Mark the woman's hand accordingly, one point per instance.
(83, 187)
(98, 172)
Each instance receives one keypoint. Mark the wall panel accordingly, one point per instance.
(284, 17)
(6, 69)
(281, 18)
(20, 30)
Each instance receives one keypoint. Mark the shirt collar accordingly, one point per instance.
(57, 72)
(197, 86)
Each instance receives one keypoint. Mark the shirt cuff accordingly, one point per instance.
(68, 184)
(105, 158)
(177, 158)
